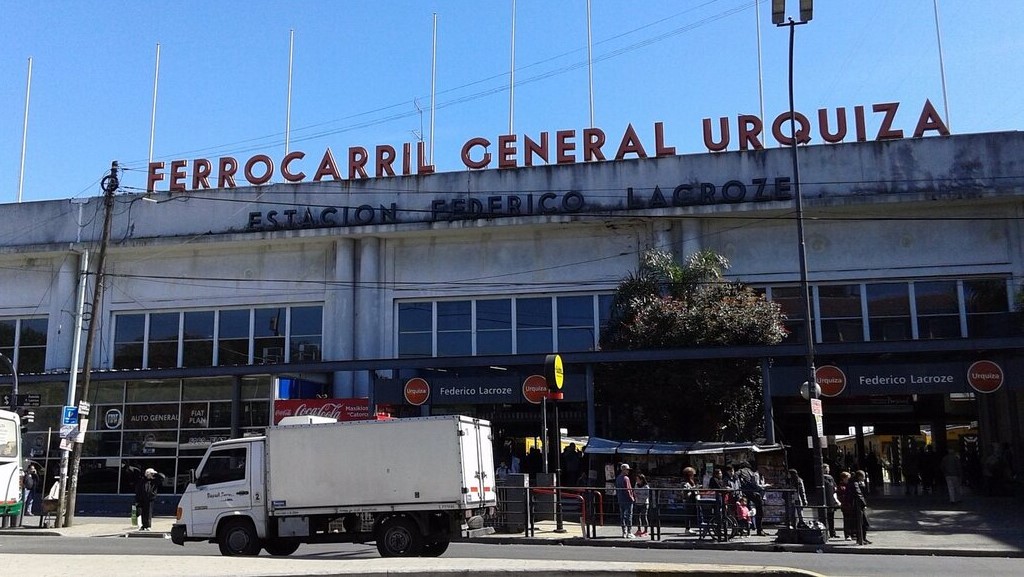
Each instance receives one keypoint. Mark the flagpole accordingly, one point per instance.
(152, 117)
(512, 74)
(24, 130)
(760, 71)
(288, 106)
(590, 65)
(433, 87)
(942, 66)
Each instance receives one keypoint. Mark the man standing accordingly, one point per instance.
(857, 495)
(831, 501)
(953, 472)
(753, 487)
(626, 498)
(31, 484)
(147, 485)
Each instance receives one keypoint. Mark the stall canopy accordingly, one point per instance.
(599, 446)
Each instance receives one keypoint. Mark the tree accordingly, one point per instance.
(662, 306)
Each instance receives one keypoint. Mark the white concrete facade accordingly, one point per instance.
(901, 210)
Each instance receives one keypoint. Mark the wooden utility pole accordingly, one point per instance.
(109, 184)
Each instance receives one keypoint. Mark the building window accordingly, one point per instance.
(486, 326)
(889, 311)
(792, 305)
(233, 337)
(415, 329)
(986, 304)
(533, 325)
(269, 332)
(494, 327)
(306, 331)
(454, 328)
(839, 309)
(23, 341)
(163, 340)
(129, 341)
(190, 338)
(575, 323)
(197, 339)
(604, 312)
(938, 309)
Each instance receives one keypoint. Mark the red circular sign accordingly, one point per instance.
(417, 391)
(535, 388)
(831, 379)
(985, 376)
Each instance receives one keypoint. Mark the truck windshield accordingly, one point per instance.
(9, 439)
(223, 465)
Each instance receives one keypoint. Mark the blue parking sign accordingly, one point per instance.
(70, 416)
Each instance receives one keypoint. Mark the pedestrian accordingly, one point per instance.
(32, 485)
(690, 486)
(845, 504)
(799, 495)
(642, 493)
(953, 471)
(753, 487)
(626, 497)
(857, 493)
(912, 471)
(501, 473)
(717, 480)
(571, 461)
(743, 515)
(147, 486)
(831, 500)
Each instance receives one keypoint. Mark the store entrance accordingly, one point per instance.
(898, 440)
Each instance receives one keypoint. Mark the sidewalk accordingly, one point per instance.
(924, 525)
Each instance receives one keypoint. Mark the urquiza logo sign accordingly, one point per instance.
(518, 151)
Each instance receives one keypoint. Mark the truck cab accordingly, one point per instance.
(226, 496)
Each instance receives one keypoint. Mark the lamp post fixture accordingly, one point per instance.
(813, 392)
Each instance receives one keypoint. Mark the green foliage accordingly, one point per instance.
(662, 306)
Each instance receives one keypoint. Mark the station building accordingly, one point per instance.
(368, 286)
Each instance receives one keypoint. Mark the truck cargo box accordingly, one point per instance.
(431, 462)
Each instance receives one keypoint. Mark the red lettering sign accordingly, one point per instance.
(985, 376)
(831, 379)
(417, 391)
(535, 388)
(340, 409)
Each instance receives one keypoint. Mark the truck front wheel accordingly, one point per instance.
(399, 537)
(238, 537)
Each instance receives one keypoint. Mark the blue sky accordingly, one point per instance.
(361, 68)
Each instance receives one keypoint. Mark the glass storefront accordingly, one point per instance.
(164, 424)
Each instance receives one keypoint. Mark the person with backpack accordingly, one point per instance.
(753, 487)
(31, 484)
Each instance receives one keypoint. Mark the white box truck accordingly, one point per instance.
(410, 485)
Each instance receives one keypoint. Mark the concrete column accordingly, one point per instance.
(339, 311)
(367, 310)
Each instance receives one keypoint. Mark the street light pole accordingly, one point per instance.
(813, 392)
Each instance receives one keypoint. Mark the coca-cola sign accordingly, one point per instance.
(340, 409)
